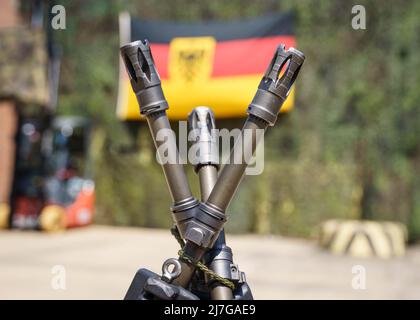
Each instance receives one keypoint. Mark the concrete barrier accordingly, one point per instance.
(359, 238)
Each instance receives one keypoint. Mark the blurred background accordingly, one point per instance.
(348, 150)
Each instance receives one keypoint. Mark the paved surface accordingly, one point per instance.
(100, 262)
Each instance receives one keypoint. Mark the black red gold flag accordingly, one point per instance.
(213, 64)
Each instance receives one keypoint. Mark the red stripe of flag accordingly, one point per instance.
(161, 56)
(247, 56)
(256, 54)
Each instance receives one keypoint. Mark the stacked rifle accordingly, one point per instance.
(205, 268)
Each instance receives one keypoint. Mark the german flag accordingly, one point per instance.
(214, 64)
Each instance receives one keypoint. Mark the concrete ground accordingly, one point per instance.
(99, 263)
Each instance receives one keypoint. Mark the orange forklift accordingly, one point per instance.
(52, 189)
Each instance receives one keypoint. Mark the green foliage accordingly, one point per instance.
(349, 149)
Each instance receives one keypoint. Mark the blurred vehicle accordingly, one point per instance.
(52, 188)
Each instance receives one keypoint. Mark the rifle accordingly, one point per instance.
(205, 268)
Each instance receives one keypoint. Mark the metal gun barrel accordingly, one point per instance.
(146, 84)
(206, 163)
